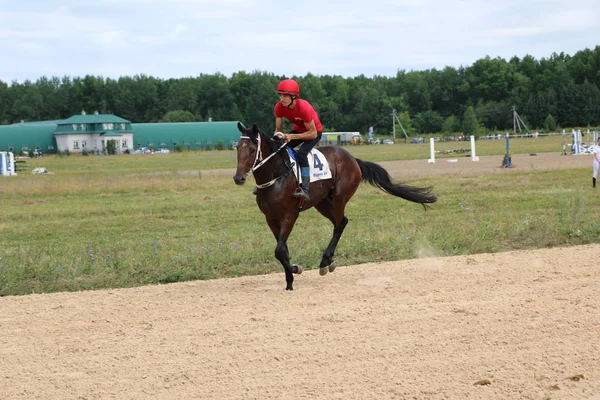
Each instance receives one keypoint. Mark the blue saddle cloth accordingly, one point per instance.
(292, 154)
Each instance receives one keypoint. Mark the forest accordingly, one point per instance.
(558, 91)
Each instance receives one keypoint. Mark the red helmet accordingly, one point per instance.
(288, 86)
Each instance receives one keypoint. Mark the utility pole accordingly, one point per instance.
(394, 120)
(517, 121)
(394, 123)
(514, 110)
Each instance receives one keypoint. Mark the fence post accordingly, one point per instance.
(473, 156)
(432, 151)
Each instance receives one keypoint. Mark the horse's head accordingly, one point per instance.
(254, 149)
(246, 152)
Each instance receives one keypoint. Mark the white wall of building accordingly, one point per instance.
(93, 142)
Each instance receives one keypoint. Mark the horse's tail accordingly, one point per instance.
(377, 176)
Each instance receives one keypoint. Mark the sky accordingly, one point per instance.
(182, 38)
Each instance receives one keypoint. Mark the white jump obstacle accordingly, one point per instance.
(577, 147)
(7, 164)
(432, 151)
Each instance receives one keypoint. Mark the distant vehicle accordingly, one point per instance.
(436, 139)
(387, 141)
(142, 150)
(162, 151)
(450, 139)
(416, 140)
(340, 138)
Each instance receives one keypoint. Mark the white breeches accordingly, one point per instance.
(596, 165)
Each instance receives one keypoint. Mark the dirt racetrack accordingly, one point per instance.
(463, 166)
(515, 325)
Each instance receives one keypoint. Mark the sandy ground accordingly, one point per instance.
(490, 164)
(516, 325)
(463, 166)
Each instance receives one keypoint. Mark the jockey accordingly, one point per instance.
(306, 131)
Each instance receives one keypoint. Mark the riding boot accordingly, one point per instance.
(594, 180)
(303, 192)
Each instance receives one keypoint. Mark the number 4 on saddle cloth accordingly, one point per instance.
(319, 167)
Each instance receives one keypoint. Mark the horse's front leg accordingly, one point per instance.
(283, 255)
(281, 228)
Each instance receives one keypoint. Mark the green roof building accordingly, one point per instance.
(18, 138)
(186, 134)
(92, 132)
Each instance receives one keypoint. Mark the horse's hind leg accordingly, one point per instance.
(332, 209)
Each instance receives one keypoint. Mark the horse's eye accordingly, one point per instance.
(252, 151)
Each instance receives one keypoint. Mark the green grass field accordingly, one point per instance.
(123, 221)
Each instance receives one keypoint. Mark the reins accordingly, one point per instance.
(259, 161)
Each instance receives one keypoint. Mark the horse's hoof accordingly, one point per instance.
(299, 268)
(332, 267)
(323, 271)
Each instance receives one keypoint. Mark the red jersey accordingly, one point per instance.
(301, 113)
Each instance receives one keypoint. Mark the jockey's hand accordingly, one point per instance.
(282, 136)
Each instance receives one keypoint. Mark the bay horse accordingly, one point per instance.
(276, 182)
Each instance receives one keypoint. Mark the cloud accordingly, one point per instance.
(172, 38)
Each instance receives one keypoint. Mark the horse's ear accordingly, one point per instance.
(241, 128)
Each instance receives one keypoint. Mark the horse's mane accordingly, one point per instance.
(273, 142)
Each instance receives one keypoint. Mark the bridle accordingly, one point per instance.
(259, 161)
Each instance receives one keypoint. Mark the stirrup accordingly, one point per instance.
(302, 194)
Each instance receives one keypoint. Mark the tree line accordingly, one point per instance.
(558, 91)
